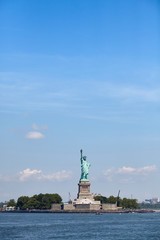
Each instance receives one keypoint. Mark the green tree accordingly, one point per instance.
(46, 204)
(125, 202)
(129, 203)
(39, 197)
(11, 203)
(21, 202)
(32, 203)
(56, 198)
(41, 201)
(119, 202)
(49, 199)
(112, 199)
(102, 199)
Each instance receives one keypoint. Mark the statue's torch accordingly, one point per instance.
(81, 153)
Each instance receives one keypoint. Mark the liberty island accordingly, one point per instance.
(84, 201)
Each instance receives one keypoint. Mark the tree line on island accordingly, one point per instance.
(124, 203)
(44, 201)
(40, 201)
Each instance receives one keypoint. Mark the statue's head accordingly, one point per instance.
(84, 158)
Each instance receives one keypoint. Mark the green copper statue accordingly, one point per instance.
(84, 168)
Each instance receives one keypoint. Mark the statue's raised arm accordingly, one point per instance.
(84, 167)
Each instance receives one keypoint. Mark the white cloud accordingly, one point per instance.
(144, 170)
(27, 173)
(58, 176)
(34, 135)
(148, 168)
(39, 175)
(36, 127)
(128, 172)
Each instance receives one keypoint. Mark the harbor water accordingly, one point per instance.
(111, 226)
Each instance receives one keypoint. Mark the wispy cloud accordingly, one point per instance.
(97, 101)
(19, 88)
(109, 174)
(138, 171)
(37, 134)
(28, 173)
(42, 127)
(34, 135)
(58, 176)
(129, 173)
(127, 92)
(37, 175)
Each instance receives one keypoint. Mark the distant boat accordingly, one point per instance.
(98, 213)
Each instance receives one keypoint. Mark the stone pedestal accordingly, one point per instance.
(84, 190)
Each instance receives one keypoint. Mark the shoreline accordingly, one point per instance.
(89, 211)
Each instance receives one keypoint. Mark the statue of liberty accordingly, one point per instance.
(84, 168)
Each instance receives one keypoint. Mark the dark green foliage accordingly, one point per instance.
(39, 197)
(22, 202)
(102, 199)
(32, 204)
(129, 203)
(11, 203)
(41, 201)
(124, 203)
(112, 199)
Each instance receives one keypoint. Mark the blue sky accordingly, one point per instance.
(79, 74)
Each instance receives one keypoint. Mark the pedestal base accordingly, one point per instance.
(84, 190)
